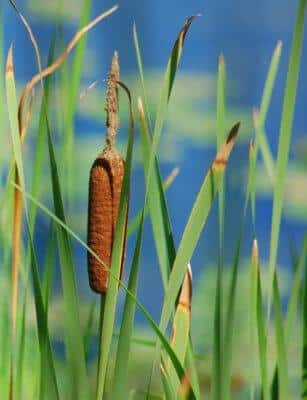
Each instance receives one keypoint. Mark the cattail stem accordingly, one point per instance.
(111, 107)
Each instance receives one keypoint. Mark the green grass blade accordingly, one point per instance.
(141, 73)
(48, 381)
(2, 91)
(124, 342)
(41, 142)
(48, 267)
(181, 328)
(304, 329)
(295, 294)
(217, 374)
(88, 334)
(74, 84)
(260, 117)
(265, 148)
(220, 137)
(169, 391)
(5, 338)
(157, 205)
(73, 335)
(269, 84)
(293, 253)
(229, 320)
(231, 301)
(190, 366)
(78, 60)
(261, 329)
(253, 316)
(21, 352)
(282, 364)
(293, 303)
(284, 140)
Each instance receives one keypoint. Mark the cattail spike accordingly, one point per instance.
(105, 185)
(112, 121)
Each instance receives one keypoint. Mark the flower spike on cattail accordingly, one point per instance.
(105, 185)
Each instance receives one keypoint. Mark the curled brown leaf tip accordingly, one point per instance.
(223, 155)
(233, 133)
(111, 107)
(188, 23)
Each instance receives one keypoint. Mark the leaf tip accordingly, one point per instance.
(175, 172)
(186, 290)
(278, 47)
(140, 107)
(223, 155)
(251, 147)
(233, 133)
(255, 117)
(9, 61)
(255, 250)
(221, 60)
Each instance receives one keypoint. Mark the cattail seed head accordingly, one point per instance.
(105, 185)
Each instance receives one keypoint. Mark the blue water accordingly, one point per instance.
(246, 32)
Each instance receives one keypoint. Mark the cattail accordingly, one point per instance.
(105, 184)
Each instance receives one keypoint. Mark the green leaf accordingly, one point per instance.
(169, 391)
(269, 84)
(181, 328)
(262, 338)
(253, 315)
(126, 330)
(48, 381)
(304, 349)
(88, 335)
(260, 117)
(282, 363)
(284, 140)
(75, 72)
(48, 267)
(217, 379)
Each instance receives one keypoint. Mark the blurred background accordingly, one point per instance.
(246, 32)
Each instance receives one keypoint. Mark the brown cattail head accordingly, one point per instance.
(105, 185)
